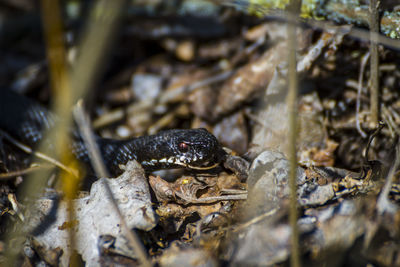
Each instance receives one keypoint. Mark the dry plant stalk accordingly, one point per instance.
(374, 67)
(95, 157)
(68, 87)
(293, 15)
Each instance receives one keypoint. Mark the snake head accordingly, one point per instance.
(193, 148)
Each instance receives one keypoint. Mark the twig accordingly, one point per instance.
(363, 63)
(40, 155)
(357, 33)
(374, 64)
(208, 200)
(255, 220)
(16, 206)
(233, 191)
(119, 113)
(62, 101)
(98, 37)
(371, 138)
(82, 121)
(294, 9)
(332, 10)
(12, 174)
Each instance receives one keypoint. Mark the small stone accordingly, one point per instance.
(185, 51)
(146, 86)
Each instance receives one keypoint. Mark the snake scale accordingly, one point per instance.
(26, 120)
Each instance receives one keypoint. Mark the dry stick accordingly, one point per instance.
(357, 33)
(293, 14)
(119, 113)
(82, 121)
(40, 155)
(374, 28)
(363, 63)
(209, 200)
(33, 168)
(97, 162)
(62, 101)
(16, 206)
(371, 138)
(54, 38)
(255, 220)
(96, 39)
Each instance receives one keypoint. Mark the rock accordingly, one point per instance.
(269, 183)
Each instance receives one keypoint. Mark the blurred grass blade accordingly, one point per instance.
(293, 13)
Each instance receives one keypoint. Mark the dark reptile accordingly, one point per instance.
(25, 120)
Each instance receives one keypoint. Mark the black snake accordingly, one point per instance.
(26, 120)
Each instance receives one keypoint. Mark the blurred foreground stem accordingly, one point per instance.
(61, 105)
(293, 15)
(374, 82)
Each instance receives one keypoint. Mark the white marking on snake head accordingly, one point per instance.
(147, 163)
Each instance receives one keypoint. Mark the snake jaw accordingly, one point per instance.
(196, 167)
(181, 161)
(203, 168)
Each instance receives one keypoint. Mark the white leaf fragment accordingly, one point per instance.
(95, 215)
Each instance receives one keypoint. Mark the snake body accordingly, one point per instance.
(26, 120)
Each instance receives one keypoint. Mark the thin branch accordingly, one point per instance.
(331, 10)
(39, 155)
(255, 220)
(293, 14)
(56, 55)
(209, 200)
(82, 121)
(374, 64)
(378, 129)
(32, 168)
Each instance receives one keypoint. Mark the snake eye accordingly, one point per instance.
(183, 147)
